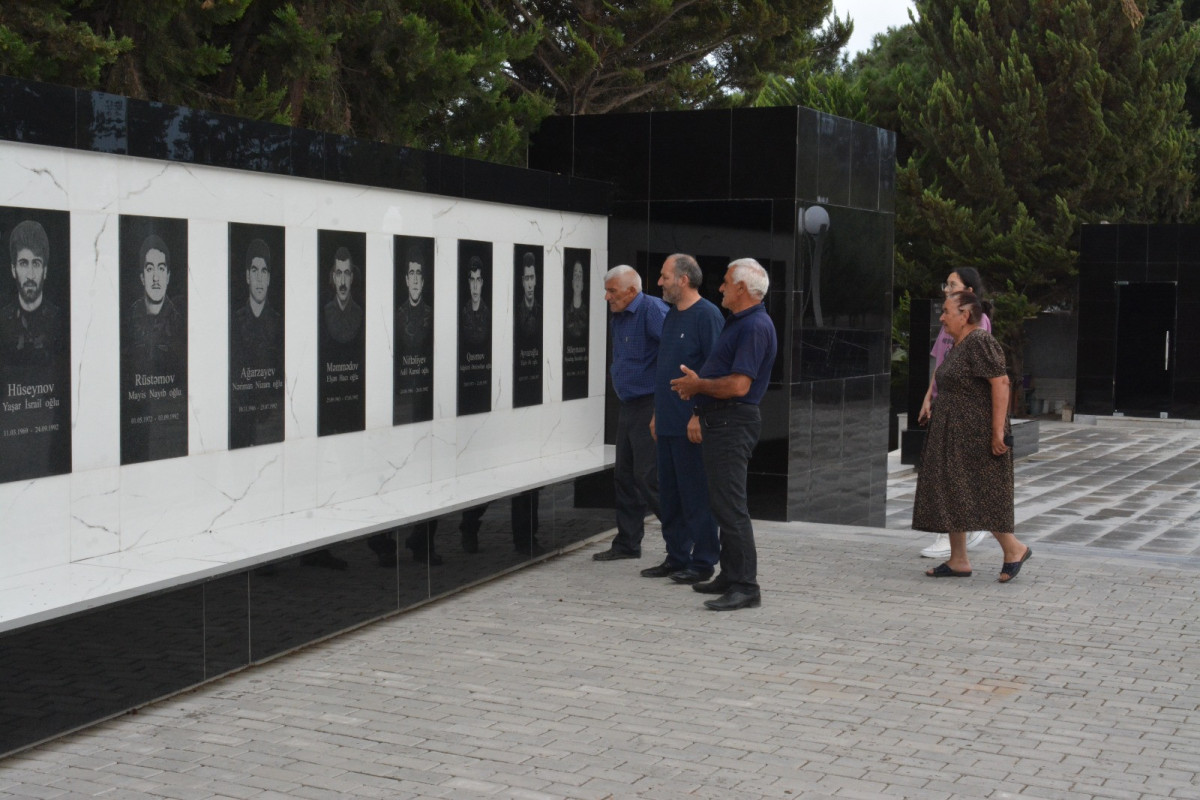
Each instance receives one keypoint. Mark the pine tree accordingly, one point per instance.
(466, 77)
(1041, 115)
(595, 57)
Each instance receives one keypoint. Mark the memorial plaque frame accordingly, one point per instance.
(474, 378)
(341, 331)
(35, 344)
(154, 337)
(257, 272)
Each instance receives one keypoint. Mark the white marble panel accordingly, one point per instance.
(208, 339)
(445, 328)
(488, 441)
(300, 474)
(170, 520)
(443, 444)
(347, 466)
(53, 591)
(36, 524)
(239, 486)
(579, 429)
(161, 500)
(33, 176)
(552, 326)
(598, 333)
(95, 342)
(407, 214)
(94, 181)
(379, 323)
(344, 207)
(162, 189)
(503, 281)
(300, 338)
(239, 196)
(95, 512)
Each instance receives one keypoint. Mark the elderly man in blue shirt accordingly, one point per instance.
(637, 321)
(727, 391)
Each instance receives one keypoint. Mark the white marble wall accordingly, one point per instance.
(102, 508)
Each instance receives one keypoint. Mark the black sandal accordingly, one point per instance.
(1011, 568)
(946, 571)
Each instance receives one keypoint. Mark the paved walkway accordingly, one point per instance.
(1121, 484)
(858, 677)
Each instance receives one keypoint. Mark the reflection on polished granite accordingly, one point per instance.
(74, 670)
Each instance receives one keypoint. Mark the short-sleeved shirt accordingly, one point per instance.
(747, 346)
(635, 335)
(688, 337)
(944, 342)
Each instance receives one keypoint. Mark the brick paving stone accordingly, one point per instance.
(857, 678)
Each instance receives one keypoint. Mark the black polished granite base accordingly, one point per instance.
(811, 197)
(58, 116)
(68, 673)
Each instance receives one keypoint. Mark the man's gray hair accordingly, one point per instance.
(686, 265)
(626, 273)
(751, 273)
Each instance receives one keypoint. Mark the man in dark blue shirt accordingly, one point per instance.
(637, 321)
(727, 391)
(689, 334)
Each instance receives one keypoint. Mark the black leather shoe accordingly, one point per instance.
(613, 555)
(690, 575)
(661, 571)
(733, 600)
(715, 586)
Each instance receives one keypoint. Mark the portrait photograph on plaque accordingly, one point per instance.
(154, 341)
(527, 325)
(577, 266)
(256, 309)
(474, 327)
(412, 384)
(35, 344)
(341, 340)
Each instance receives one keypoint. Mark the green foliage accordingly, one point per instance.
(1041, 115)
(41, 41)
(596, 57)
(467, 77)
(832, 92)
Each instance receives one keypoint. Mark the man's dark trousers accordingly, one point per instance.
(635, 476)
(688, 526)
(729, 435)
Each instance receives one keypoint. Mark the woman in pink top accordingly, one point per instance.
(963, 279)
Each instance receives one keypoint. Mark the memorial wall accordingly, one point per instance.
(249, 371)
(186, 347)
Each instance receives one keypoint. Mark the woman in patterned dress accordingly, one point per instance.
(963, 279)
(966, 477)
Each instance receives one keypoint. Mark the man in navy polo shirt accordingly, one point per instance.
(689, 334)
(637, 321)
(727, 391)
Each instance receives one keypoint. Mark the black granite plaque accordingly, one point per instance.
(412, 383)
(474, 327)
(35, 345)
(527, 325)
(256, 308)
(341, 343)
(154, 339)
(577, 267)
